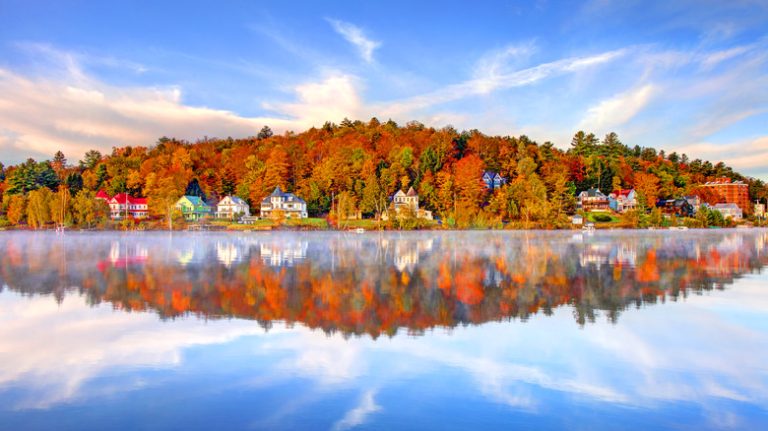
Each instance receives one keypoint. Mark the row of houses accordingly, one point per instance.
(290, 206)
(621, 201)
(194, 208)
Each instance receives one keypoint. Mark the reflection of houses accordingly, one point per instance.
(227, 253)
(595, 254)
(407, 204)
(623, 254)
(288, 204)
(407, 253)
(122, 255)
(677, 207)
(592, 200)
(193, 208)
(622, 200)
(729, 210)
(493, 180)
(283, 253)
(123, 205)
(231, 207)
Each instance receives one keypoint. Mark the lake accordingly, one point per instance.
(417, 330)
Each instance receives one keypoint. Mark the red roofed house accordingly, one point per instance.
(103, 195)
(122, 205)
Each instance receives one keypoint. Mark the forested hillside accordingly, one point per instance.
(357, 166)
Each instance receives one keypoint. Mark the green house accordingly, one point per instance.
(193, 208)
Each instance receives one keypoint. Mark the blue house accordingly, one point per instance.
(493, 180)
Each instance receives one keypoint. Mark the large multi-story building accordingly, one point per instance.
(732, 192)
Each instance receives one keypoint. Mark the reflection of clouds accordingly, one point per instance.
(358, 415)
(659, 355)
(54, 350)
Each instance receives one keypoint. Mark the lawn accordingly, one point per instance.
(367, 224)
(312, 222)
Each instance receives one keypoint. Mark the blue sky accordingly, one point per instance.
(688, 76)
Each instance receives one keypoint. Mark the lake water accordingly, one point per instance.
(422, 330)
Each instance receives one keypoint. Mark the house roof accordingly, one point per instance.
(624, 192)
(592, 193)
(727, 206)
(400, 193)
(194, 200)
(411, 192)
(102, 195)
(234, 199)
(289, 197)
(124, 198)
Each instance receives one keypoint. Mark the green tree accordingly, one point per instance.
(91, 159)
(32, 175)
(265, 133)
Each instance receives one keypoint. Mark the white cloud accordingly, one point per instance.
(618, 109)
(354, 35)
(71, 111)
(743, 155)
(499, 81)
(359, 414)
(57, 349)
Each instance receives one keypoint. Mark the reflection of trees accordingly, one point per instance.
(378, 285)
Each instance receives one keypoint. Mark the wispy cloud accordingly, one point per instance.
(617, 110)
(498, 81)
(354, 35)
(359, 414)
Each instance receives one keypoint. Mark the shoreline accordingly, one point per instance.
(355, 230)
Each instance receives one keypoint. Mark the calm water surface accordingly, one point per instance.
(458, 330)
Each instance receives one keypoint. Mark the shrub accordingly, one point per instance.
(602, 218)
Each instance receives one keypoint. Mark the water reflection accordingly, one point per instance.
(378, 283)
(85, 362)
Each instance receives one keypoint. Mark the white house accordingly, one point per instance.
(729, 210)
(622, 201)
(231, 207)
(408, 203)
(290, 205)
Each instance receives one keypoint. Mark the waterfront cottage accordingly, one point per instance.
(677, 207)
(407, 204)
(622, 201)
(279, 202)
(592, 200)
(729, 210)
(123, 205)
(232, 207)
(193, 208)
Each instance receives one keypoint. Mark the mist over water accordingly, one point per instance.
(330, 330)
